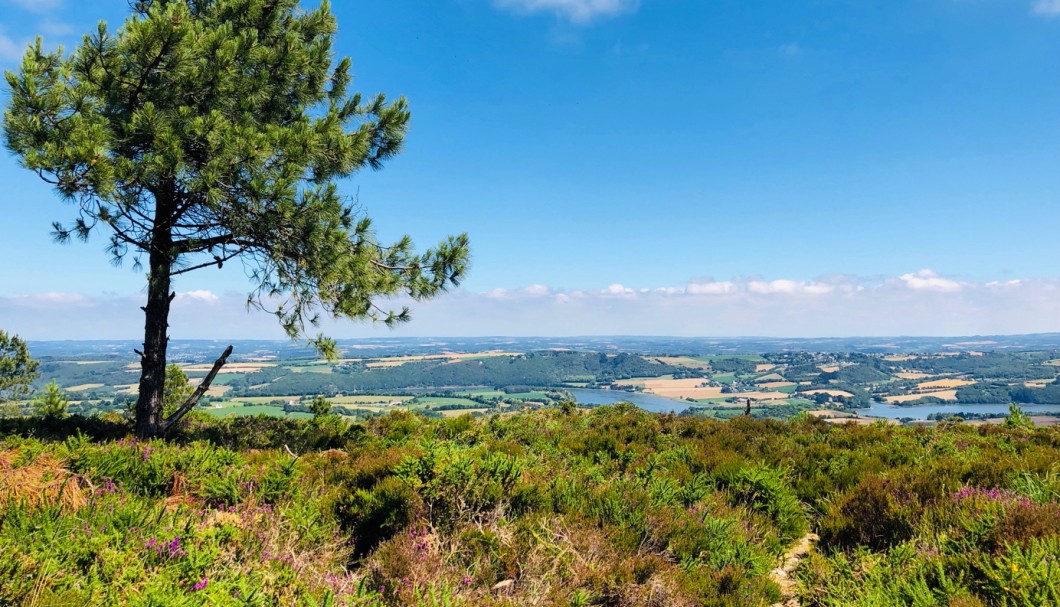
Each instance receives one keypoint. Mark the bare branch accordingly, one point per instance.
(195, 396)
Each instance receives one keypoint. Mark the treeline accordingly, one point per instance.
(981, 393)
(988, 365)
(532, 370)
(68, 374)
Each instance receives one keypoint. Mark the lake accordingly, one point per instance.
(881, 409)
(648, 402)
(658, 404)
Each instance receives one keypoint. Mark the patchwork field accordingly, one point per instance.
(943, 384)
(83, 387)
(218, 390)
(228, 368)
(684, 361)
(693, 388)
(914, 375)
(941, 394)
(396, 361)
(829, 392)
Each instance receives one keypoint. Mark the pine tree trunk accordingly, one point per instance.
(153, 361)
(156, 324)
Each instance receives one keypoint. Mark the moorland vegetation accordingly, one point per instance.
(612, 506)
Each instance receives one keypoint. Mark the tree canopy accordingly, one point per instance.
(17, 369)
(206, 131)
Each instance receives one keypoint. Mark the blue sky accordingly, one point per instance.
(678, 167)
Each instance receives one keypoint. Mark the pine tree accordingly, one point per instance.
(206, 131)
(17, 369)
(51, 403)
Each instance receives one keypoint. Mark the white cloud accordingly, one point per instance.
(38, 6)
(50, 27)
(538, 290)
(789, 287)
(200, 295)
(711, 288)
(917, 303)
(52, 299)
(576, 11)
(10, 50)
(928, 280)
(1049, 8)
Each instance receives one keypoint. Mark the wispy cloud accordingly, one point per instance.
(199, 295)
(1048, 8)
(928, 280)
(38, 6)
(10, 51)
(924, 302)
(51, 27)
(576, 11)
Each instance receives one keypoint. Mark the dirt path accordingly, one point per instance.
(782, 575)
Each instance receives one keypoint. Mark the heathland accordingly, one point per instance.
(560, 506)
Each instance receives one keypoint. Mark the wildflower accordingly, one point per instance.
(201, 584)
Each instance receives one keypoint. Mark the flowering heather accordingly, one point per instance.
(614, 506)
(992, 494)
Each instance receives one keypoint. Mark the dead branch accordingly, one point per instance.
(195, 396)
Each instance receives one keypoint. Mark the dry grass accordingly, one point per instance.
(828, 368)
(449, 357)
(761, 367)
(83, 387)
(829, 413)
(895, 358)
(772, 377)
(693, 388)
(43, 481)
(904, 398)
(773, 385)
(228, 368)
(459, 412)
(861, 421)
(1037, 383)
(829, 392)
(369, 399)
(684, 361)
(937, 384)
(218, 390)
(913, 375)
(132, 389)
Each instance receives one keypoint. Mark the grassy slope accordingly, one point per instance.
(614, 507)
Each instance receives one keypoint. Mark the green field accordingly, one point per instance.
(313, 369)
(259, 399)
(369, 399)
(440, 401)
(527, 395)
(241, 411)
(482, 393)
(752, 357)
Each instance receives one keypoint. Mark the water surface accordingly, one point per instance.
(648, 402)
(882, 409)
